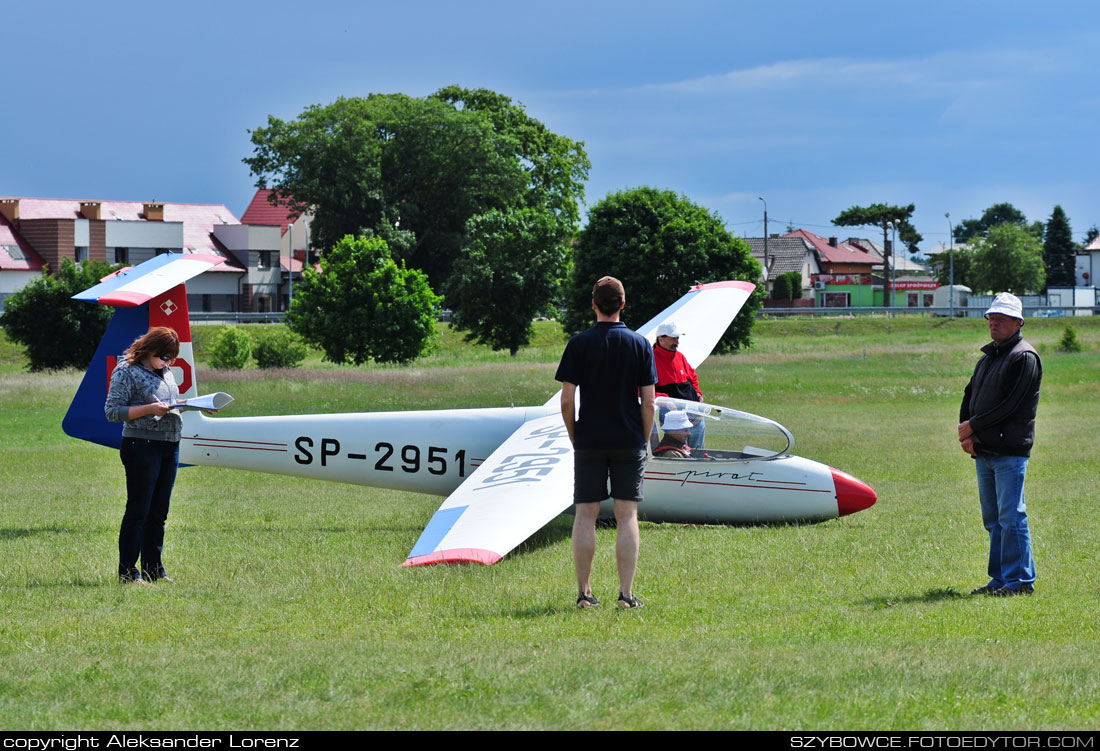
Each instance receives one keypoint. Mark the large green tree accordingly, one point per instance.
(362, 305)
(509, 272)
(413, 171)
(998, 213)
(885, 217)
(1008, 259)
(658, 244)
(55, 330)
(1059, 251)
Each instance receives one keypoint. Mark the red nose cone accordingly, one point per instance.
(852, 494)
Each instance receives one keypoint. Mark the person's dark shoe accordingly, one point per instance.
(629, 603)
(1026, 589)
(988, 589)
(584, 602)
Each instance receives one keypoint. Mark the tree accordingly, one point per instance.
(964, 266)
(1091, 235)
(998, 213)
(658, 244)
(883, 215)
(556, 166)
(1010, 259)
(509, 271)
(57, 331)
(414, 171)
(363, 305)
(1059, 251)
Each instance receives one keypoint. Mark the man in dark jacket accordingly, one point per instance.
(997, 428)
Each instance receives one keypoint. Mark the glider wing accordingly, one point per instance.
(703, 314)
(524, 484)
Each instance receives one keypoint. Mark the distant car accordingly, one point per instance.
(1049, 313)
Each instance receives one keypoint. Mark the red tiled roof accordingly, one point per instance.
(842, 253)
(295, 265)
(198, 219)
(260, 211)
(8, 236)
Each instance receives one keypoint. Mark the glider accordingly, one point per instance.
(505, 472)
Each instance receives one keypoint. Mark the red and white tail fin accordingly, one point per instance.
(151, 294)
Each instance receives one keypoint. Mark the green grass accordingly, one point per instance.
(291, 610)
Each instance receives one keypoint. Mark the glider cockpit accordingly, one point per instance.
(699, 432)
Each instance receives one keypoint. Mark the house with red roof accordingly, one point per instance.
(19, 263)
(847, 273)
(37, 233)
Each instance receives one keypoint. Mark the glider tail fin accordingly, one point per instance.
(152, 294)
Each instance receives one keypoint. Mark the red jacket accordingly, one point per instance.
(675, 376)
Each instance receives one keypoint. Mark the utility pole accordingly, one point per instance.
(951, 255)
(766, 264)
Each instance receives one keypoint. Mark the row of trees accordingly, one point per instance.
(465, 194)
(1002, 251)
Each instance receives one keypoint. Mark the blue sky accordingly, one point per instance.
(815, 106)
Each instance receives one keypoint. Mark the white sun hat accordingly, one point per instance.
(1007, 304)
(676, 420)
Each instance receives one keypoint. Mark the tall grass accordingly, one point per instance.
(291, 610)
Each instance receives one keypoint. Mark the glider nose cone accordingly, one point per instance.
(852, 494)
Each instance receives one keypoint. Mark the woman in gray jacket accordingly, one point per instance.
(142, 387)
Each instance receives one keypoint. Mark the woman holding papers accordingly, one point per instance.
(142, 388)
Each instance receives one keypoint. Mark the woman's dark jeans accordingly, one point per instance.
(150, 475)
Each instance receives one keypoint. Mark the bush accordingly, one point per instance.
(1069, 341)
(781, 288)
(55, 330)
(277, 347)
(232, 349)
(362, 305)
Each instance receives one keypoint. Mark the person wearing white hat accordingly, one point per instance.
(677, 427)
(997, 428)
(675, 376)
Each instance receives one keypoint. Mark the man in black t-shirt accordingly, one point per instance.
(610, 366)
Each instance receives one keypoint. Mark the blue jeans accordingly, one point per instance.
(150, 475)
(1001, 493)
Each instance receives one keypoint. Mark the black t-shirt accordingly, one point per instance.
(609, 363)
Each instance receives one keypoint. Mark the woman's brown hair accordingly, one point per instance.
(159, 340)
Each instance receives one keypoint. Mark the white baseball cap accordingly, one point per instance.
(1007, 304)
(669, 329)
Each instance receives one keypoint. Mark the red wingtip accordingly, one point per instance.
(455, 555)
(852, 494)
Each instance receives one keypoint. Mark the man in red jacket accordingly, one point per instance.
(675, 376)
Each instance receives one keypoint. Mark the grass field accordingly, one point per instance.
(291, 611)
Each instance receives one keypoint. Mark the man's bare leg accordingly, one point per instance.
(627, 541)
(584, 544)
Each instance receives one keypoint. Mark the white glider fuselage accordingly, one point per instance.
(435, 451)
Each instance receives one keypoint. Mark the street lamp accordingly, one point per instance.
(765, 241)
(892, 269)
(951, 255)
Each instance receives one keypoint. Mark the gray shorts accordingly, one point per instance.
(593, 467)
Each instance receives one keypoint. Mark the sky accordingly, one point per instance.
(816, 107)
